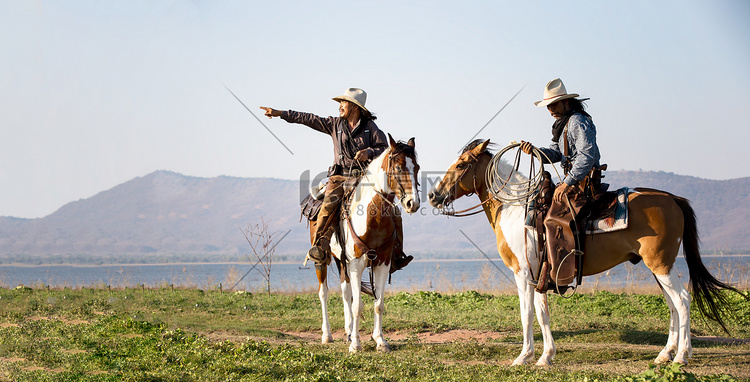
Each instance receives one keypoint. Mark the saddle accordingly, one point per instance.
(560, 231)
(310, 205)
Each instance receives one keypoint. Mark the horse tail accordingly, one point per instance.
(706, 289)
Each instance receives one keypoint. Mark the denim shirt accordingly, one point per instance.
(583, 153)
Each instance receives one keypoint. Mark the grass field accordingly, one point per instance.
(166, 334)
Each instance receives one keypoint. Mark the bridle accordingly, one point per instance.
(400, 190)
(467, 211)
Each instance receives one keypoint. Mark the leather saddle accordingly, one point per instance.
(560, 231)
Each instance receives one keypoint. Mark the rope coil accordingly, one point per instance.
(506, 184)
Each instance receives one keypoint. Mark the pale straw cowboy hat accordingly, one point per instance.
(354, 95)
(553, 92)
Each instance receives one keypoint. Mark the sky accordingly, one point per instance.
(96, 93)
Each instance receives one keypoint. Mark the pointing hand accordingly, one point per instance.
(270, 113)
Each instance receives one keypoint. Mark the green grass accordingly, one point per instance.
(189, 334)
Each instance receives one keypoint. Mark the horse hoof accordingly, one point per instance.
(326, 339)
(544, 362)
(521, 360)
(384, 347)
(681, 360)
(354, 349)
(664, 357)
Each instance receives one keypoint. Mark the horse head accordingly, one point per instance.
(465, 176)
(401, 169)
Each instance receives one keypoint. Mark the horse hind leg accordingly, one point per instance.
(669, 350)
(678, 300)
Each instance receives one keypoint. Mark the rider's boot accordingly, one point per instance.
(400, 259)
(320, 252)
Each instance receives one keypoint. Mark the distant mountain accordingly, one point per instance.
(167, 217)
(722, 206)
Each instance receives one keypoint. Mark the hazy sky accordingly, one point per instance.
(95, 93)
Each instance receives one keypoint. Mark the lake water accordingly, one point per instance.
(428, 275)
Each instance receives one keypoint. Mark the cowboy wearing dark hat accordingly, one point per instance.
(356, 141)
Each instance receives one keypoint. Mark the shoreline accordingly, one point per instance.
(77, 265)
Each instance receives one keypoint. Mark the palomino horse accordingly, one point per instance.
(392, 174)
(658, 223)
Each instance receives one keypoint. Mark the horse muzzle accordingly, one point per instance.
(437, 199)
(411, 205)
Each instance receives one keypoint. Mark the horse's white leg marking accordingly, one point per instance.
(667, 353)
(380, 279)
(346, 295)
(355, 276)
(542, 315)
(526, 298)
(680, 299)
(326, 338)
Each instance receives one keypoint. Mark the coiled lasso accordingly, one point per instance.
(509, 186)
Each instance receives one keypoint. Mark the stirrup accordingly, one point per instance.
(317, 255)
(401, 262)
(560, 290)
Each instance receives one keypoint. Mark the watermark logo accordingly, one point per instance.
(314, 184)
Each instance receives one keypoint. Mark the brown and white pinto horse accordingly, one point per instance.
(392, 174)
(658, 223)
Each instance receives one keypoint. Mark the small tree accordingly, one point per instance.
(263, 247)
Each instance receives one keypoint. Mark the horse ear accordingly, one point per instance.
(390, 139)
(411, 142)
(481, 148)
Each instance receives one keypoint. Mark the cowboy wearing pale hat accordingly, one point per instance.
(574, 145)
(356, 141)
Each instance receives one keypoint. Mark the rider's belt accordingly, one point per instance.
(353, 173)
(339, 170)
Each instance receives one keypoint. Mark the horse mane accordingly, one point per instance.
(402, 147)
(471, 145)
(500, 166)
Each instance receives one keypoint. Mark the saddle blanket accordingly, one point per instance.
(616, 221)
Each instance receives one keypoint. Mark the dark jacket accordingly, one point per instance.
(345, 144)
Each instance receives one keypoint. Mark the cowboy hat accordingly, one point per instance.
(553, 92)
(354, 95)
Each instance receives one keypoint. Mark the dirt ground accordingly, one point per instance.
(733, 358)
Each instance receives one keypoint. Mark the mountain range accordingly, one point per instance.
(169, 217)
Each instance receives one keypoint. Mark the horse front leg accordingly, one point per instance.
(678, 300)
(542, 316)
(346, 296)
(526, 300)
(380, 278)
(322, 272)
(355, 277)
